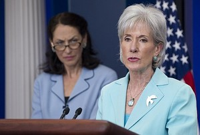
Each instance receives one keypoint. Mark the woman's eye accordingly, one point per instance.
(127, 39)
(58, 42)
(143, 40)
(74, 41)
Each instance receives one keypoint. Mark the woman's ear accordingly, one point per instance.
(85, 41)
(158, 48)
(51, 42)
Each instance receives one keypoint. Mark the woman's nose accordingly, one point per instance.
(134, 47)
(67, 49)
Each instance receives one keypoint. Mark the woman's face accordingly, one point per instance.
(138, 49)
(65, 34)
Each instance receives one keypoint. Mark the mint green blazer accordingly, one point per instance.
(172, 112)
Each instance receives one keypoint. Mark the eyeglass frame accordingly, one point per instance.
(65, 46)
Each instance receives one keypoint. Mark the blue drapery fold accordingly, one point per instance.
(53, 7)
(196, 51)
(2, 60)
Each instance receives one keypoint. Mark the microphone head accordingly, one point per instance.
(78, 111)
(66, 110)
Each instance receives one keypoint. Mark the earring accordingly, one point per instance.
(155, 58)
(84, 45)
(53, 49)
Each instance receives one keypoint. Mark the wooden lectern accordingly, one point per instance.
(61, 127)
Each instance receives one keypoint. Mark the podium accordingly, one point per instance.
(61, 127)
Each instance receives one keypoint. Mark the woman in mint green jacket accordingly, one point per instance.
(146, 101)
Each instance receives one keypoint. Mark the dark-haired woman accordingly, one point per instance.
(73, 76)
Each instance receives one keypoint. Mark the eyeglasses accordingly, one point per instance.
(61, 46)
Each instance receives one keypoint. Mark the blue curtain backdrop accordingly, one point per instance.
(196, 50)
(2, 61)
(130, 2)
(54, 7)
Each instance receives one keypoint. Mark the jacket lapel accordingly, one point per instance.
(141, 108)
(82, 84)
(119, 98)
(57, 86)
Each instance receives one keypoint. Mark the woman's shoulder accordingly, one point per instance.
(170, 83)
(104, 68)
(45, 76)
(177, 84)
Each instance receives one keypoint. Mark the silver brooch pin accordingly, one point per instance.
(150, 99)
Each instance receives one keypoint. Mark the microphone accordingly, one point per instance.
(78, 112)
(65, 112)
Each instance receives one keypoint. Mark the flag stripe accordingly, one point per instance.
(188, 78)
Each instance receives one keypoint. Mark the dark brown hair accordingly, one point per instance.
(53, 64)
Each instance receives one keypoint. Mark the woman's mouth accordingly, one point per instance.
(68, 57)
(133, 59)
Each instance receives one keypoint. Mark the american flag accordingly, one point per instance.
(177, 62)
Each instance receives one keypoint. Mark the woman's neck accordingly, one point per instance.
(140, 79)
(72, 72)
